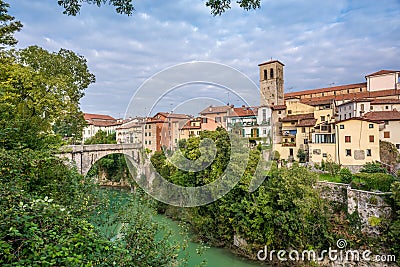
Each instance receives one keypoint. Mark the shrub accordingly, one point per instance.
(373, 181)
(345, 176)
(373, 167)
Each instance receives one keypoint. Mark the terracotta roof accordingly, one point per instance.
(355, 100)
(327, 89)
(298, 117)
(103, 123)
(271, 61)
(320, 102)
(385, 101)
(355, 118)
(217, 109)
(244, 112)
(173, 115)
(129, 124)
(188, 127)
(392, 115)
(307, 123)
(382, 72)
(89, 116)
(278, 107)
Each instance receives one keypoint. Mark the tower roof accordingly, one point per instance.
(271, 61)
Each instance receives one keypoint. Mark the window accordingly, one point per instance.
(145, 134)
(347, 139)
(348, 152)
(292, 140)
(271, 73)
(305, 141)
(145, 126)
(293, 123)
(398, 146)
(264, 114)
(345, 116)
(386, 122)
(362, 107)
(371, 139)
(371, 107)
(386, 107)
(322, 118)
(145, 142)
(370, 126)
(289, 112)
(324, 155)
(349, 115)
(369, 152)
(150, 134)
(386, 134)
(265, 75)
(279, 112)
(149, 142)
(303, 129)
(264, 131)
(204, 120)
(217, 119)
(342, 126)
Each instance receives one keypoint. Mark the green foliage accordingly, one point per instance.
(8, 26)
(276, 156)
(373, 167)
(301, 155)
(101, 137)
(332, 167)
(345, 176)
(73, 7)
(373, 181)
(40, 89)
(394, 228)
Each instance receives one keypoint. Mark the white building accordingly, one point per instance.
(97, 122)
(131, 131)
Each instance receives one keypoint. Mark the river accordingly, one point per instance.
(212, 256)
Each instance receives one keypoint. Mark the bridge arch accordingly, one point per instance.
(85, 156)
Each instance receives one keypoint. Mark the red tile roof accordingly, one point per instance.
(307, 123)
(355, 118)
(188, 127)
(392, 115)
(327, 89)
(298, 117)
(217, 109)
(278, 107)
(173, 115)
(385, 101)
(243, 112)
(382, 72)
(271, 61)
(89, 116)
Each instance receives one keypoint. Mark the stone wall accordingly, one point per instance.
(370, 206)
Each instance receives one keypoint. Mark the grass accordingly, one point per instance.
(329, 178)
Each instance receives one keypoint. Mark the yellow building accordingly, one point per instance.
(357, 142)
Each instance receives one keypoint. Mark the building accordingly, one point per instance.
(192, 128)
(389, 125)
(162, 131)
(97, 122)
(357, 142)
(381, 84)
(243, 121)
(131, 131)
(271, 83)
(215, 116)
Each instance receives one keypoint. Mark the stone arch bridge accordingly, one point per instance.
(85, 156)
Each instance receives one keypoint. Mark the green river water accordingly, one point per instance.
(212, 256)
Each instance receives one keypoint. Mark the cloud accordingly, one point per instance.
(320, 42)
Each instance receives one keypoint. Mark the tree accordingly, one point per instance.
(73, 7)
(301, 155)
(41, 90)
(8, 26)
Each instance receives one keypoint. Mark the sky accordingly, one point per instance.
(321, 43)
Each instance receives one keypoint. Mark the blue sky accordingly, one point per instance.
(320, 43)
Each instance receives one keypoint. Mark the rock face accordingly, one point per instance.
(371, 207)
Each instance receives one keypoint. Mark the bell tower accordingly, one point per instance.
(271, 83)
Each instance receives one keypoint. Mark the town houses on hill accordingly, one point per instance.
(340, 123)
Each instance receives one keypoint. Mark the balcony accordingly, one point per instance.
(289, 144)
